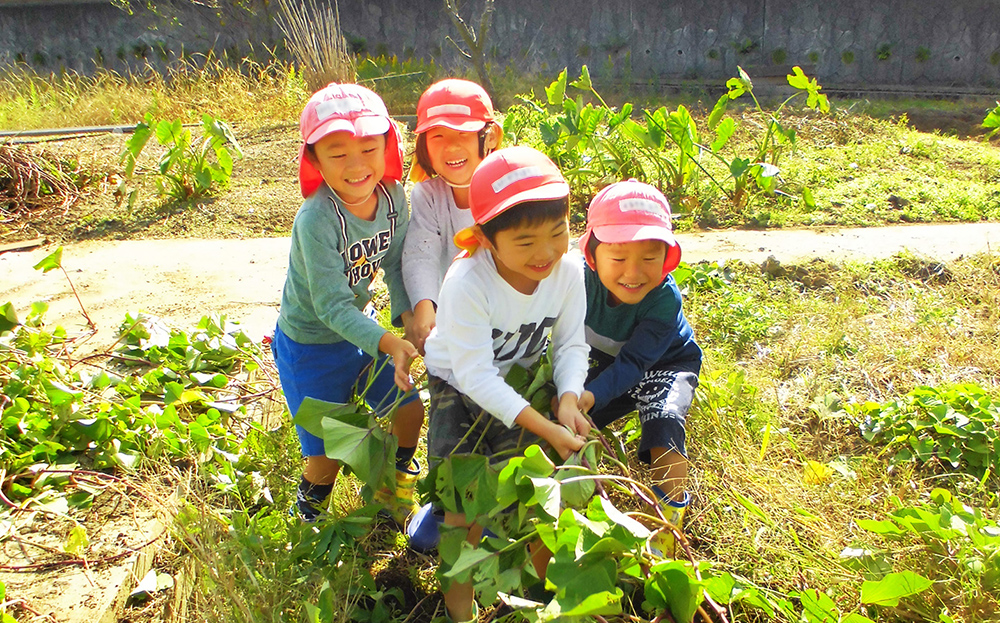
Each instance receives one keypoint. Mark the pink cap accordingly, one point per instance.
(457, 104)
(630, 211)
(351, 108)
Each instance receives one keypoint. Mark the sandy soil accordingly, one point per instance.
(181, 280)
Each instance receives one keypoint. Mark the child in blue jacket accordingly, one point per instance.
(643, 354)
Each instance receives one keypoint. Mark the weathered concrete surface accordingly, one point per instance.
(911, 42)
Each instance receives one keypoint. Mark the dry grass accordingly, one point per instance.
(251, 94)
(876, 331)
(316, 42)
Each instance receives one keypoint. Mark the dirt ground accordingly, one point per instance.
(229, 255)
(181, 280)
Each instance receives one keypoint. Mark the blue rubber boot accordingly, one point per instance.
(423, 528)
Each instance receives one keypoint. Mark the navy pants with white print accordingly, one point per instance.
(662, 398)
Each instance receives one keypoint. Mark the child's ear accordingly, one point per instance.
(481, 238)
(310, 152)
(494, 135)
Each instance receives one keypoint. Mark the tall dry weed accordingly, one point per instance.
(316, 42)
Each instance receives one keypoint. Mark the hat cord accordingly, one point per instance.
(353, 205)
(456, 185)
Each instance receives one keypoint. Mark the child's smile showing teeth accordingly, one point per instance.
(630, 270)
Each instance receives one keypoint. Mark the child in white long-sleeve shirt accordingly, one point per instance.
(455, 130)
(499, 307)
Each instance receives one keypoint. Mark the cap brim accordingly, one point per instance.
(552, 190)
(459, 124)
(362, 126)
(613, 234)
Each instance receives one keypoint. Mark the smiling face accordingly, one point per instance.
(630, 270)
(527, 254)
(350, 165)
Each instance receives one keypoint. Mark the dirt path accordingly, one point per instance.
(183, 279)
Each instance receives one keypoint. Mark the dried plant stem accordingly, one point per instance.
(316, 42)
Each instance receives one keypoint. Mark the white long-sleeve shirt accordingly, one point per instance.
(484, 326)
(429, 249)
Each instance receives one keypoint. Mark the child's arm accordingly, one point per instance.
(402, 353)
(569, 347)
(570, 414)
(392, 263)
(562, 440)
(424, 319)
(422, 252)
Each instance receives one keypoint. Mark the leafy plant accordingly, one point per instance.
(664, 128)
(157, 396)
(956, 426)
(186, 170)
(959, 548)
(701, 277)
(582, 138)
(992, 120)
(760, 170)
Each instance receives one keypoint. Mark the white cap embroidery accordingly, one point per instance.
(449, 109)
(516, 176)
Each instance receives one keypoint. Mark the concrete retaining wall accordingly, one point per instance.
(849, 42)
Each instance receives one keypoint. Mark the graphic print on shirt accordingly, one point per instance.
(524, 343)
(365, 256)
(360, 261)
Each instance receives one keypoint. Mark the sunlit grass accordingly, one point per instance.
(251, 94)
(876, 331)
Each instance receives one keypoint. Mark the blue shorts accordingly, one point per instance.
(330, 372)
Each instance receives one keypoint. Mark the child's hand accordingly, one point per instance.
(586, 402)
(564, 441)
(402, 353)
(569, 415)
(424, 319)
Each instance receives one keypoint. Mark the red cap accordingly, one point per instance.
(630, 211)
(351, 108)
(505, 178)
(457, 104)
(510, 176)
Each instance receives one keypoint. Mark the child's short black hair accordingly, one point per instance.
(592, 243)
(526, 214)
(424, 159)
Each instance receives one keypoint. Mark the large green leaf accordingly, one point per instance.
(893, 587)
(718, 110)
(671, 585)
(723, 132)
(351, 435)
(8, 317)
(818, 607)
(555, 92)
(992, 120)
(583, 82)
